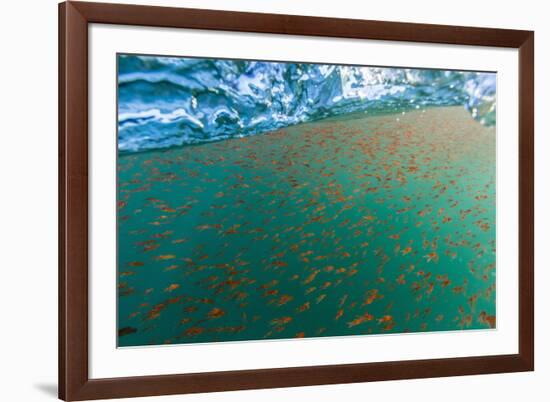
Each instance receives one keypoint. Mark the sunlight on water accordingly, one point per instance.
(167, 101)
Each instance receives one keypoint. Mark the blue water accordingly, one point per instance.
(173, 101)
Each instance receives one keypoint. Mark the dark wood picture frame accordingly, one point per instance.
(74, 381)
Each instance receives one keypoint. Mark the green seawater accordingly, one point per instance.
(353, 225)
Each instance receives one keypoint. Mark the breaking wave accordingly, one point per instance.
(174, 101)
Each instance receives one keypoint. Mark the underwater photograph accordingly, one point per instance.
(261, 200)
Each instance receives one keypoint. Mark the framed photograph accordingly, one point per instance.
(260, 200)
